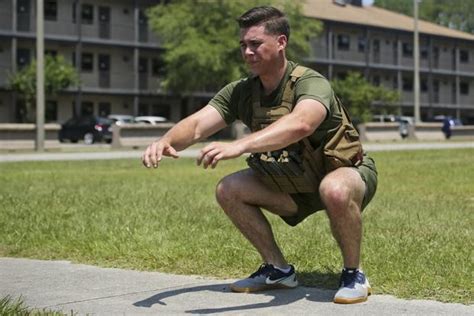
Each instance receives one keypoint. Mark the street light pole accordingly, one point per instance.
(416, 58)
(39, 144)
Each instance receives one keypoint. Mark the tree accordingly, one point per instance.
(58, 75)
(200, 38)
(357, 94)
(455, 14)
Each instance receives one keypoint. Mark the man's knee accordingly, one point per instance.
(226, 189)
(335, 194)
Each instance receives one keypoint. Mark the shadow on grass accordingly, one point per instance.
(278, 297)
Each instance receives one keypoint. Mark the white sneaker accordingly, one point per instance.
(267, 277)
(354, 288)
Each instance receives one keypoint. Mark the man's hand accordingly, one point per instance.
(153, 154)
(215, 151)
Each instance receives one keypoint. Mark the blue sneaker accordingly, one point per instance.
(354, 288)
(267, 277)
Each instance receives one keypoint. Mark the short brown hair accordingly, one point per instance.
(274, 20)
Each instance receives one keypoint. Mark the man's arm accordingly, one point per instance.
(307, 115)
(188, 131)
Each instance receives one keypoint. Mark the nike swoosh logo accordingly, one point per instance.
(270, 281)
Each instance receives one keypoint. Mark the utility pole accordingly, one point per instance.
(39, 144)
(416, 58)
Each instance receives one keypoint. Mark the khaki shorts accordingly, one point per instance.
(309, 203)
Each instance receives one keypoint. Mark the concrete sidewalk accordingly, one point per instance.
(89, 290)
(136, 154)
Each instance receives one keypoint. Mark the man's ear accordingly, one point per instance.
(282, 41)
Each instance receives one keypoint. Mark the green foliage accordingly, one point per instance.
(357, 94)
(58, 75)
(456, 14)
(201, 40)
(418, 237)
(15, 307)
(8, 306)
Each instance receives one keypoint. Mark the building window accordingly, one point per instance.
(142, 109)
(23, 57)
(51, 111)
(407, 50)
(87, 108)
(464, 88)
(361, 44)
(87, 13)
(143, 65)
(161, 110)
(376, 46)
(424, 52)
(376, 81)
(464, 56)
(51, 10)
(436, 56)
(407, 84)
(343, 42)
(87, 62)
(158, 67)
(51, 52)
(423, 85)
(104, 109)
(395, 83)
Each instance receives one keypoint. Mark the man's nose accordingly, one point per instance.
(248, 51)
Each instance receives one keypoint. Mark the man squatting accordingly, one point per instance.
(291, 110)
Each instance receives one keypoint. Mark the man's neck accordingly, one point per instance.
(271, 80)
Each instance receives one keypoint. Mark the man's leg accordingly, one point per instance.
(241, 195)
(342, 191)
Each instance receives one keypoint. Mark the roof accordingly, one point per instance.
(376, 17)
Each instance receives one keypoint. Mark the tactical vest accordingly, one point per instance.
(299, 168)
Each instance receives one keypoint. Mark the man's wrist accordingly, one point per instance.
(241, 146)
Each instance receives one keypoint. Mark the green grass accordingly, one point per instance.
(418, 231)
(16, 307)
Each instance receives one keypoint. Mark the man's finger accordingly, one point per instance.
(209, 157)
(146, 158)
(201, 156)
(216, 160)
(172, 152)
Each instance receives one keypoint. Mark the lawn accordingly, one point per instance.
(418, 231)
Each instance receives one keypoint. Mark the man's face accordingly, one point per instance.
(259, 49)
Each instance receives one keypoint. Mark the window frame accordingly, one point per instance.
(343, 42)
(51, 10)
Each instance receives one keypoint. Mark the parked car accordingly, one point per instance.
(120, 119)
(150, 119)
(90, 129)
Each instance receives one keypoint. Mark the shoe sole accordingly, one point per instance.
(265, 287)
(339, 300)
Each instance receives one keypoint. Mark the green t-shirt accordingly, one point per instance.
(234, 101)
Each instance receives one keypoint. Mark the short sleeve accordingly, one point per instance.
(225, 102)
(316, 88)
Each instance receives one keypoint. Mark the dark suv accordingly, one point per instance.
(90, 129)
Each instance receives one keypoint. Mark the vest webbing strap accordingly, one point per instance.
(287, 103)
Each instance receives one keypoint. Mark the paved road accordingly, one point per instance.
(106, 155)
(89, 290)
